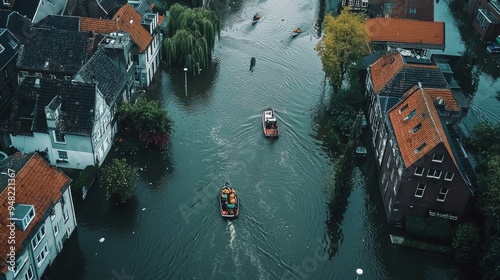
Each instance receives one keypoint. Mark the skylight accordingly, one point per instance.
(417, 127)
(410, 115)
(417, 150)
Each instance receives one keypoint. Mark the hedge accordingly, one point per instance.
(429, 247)
(86, 178)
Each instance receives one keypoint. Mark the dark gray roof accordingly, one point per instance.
(409, 76)
(77, 110)
(60, 22)
(9, 47)
(101, 70)
(141, 8)
(106, 5)
(65, 51)
(368, 60)
(14, 162)
(26, 7)
(16, 23)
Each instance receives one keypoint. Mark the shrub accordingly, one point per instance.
(429, 247)
(430, 227)
(86, 178)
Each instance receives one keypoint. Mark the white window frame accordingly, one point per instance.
(53, 213)
(364, 4)
(446, 178)
(420, 189)
(434, 173)
(419, 174)
(43, 253)
(413, 10)
(27, 276)
(55, 138)
(66, 215)
(60, 158)
(38, 237)
(437, 160)
(68, 232)
(56, 228)
(445, 193)
(52, 76)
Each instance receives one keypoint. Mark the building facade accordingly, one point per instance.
(485, 17)
(43, 218)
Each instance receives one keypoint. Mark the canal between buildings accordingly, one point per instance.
(172, 229)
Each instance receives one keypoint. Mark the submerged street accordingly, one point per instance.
(172, 228)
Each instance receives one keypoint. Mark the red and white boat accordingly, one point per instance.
(270, 123)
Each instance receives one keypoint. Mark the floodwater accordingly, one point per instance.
(172, 230)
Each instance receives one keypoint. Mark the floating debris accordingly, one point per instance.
(102, 239)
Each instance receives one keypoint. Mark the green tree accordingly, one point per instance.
(489, 195)
(485, 138)
(147, 120)
(118, 178)
(343, 42)
(193, 34)
(490, 263)
(466, 241)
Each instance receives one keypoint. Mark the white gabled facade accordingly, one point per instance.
(149, 60)
(71, 150)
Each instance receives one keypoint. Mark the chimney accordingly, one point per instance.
(419, 85)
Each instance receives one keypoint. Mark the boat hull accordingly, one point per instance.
(269, 131)
(226, 209)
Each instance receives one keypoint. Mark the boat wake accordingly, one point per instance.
(232, 232)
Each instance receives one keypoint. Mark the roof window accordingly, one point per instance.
(410, 115)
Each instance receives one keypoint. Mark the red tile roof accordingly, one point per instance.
(126, 19)
(450, 103)
(424, 9)
(405, 31)
(37, 184)
(431, 131)
(384, 69)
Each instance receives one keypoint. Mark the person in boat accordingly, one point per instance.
(297, 30)
(256, 16)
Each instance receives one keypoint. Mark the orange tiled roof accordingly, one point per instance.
(405, 31)
(446, 95)
(103, 26)
(384, 69)
(126, 19)
(431, 131)
(36, 184)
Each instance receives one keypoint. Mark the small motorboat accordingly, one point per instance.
(255, 18)
(296, 32)
(229, 201)
(270, 123)
(493, 49)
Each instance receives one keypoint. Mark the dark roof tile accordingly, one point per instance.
(77, 110)
(70, 23)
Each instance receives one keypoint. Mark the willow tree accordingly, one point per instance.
(193, 34)
(344, 42)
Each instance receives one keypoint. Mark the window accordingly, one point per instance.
(419, 171)
(403, 109)
(417, 150)
(1, 48)
(358, 3)
(66, 215)
(410, 115)
(38, 75)
(6, 73)
(53, 214)
(420, 190)
(63, 155)
(42, 255)
(67, 78)
(53, 77)
(442, 194)
(482, 18)
(68, 232)
(432, 173)
(59, 137)
(438, 158)
(449, 176)
(29, 274)
(413, 10)
(56, 229)
(417, 127)
(364, 4)
(38, 237)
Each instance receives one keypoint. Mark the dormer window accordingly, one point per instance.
(410, 115)
(403, 109)
(417, 150)
(59, 138)
(417, 127)
(413, 10)
(438, 158)
(23, 215)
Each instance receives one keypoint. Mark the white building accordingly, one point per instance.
(69, 120)
(43, 218)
